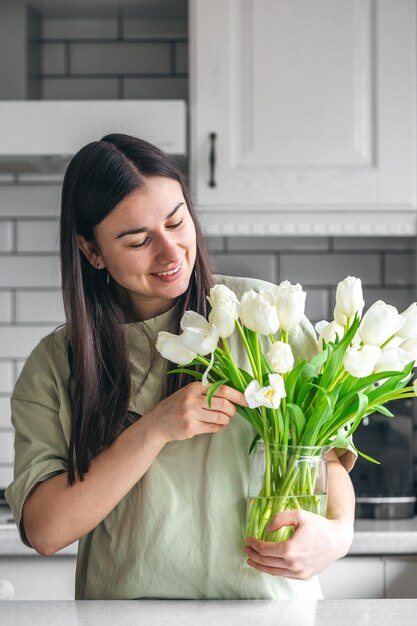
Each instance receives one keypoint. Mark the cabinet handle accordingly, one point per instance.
(212, 159)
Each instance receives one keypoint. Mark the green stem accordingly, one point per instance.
(233, 364)
(206, 363)
(247, 348)
(258, 358)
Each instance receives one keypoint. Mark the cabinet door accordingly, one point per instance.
(312, 103)
(40, 578)
(401, 577)
(354, 577)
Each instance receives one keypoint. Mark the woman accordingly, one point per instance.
(148, 478)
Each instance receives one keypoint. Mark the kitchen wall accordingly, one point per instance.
(115, 58)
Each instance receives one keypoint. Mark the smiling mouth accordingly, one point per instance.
(172, 272)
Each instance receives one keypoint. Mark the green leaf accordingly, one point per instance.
(297, 418)
(362, 406)
(212, 390)
(184, 370)
(383, 410)
(291, 380)
(335, 361)
(253, 444)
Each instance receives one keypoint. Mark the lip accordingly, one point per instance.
(170, 277)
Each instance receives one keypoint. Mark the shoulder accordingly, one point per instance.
(46, 366)
(240, 284)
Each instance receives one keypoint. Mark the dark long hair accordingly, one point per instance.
(98, 177)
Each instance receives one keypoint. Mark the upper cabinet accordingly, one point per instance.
(303, 116)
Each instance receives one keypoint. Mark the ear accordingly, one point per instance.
(90, 252)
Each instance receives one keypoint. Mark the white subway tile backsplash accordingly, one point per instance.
(400, 269)
(5, 413)
(17, 342)
(400, 298)
(6, 376)
(159, 29)
(69, 88)
(6, 235)
(39, 306)
(6, 446)
(167, 88)
(29, 200)
(120, 58)
(252, 265)
(5, 305)
(329, 268)
(38, 236)
(6, 475)
(29, 271)
(53, 58)
(79, 28)
(181, 58)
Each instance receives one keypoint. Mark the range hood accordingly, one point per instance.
(56, 129)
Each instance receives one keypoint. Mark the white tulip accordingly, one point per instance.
(269, 396)
(290, 300)
(410, 346)
(349, 300)
(392, 360)
(280, 357)
(328, 331)
(225, 309)
(409, 328)
(171, 347)
(199, 335)
(360, 362)
(380, 322)
(258, 312)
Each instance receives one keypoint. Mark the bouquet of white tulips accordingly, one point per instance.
(361, 363)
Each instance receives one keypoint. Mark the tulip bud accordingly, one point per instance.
(199, 335)
(171, 348)
(258, 312)
(380, 322)
(409, 328)
(225, 309)
(410, 346)
(280, 357)
(290, 300)
(360, 362)
(349, 300)
(269, 396)
(328, 331)
(392, 360)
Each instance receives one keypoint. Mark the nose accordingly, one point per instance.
(168, 249)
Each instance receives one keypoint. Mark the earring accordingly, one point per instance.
(98, 266)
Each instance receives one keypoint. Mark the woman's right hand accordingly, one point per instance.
(185, 413)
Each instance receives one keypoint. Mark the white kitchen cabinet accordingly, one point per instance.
(40, 578)
(401, 577)
(354, 577)
(371, 577)
(313, 105)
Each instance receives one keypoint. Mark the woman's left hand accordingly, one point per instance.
(316, 543)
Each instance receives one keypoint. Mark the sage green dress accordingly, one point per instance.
(180, 531)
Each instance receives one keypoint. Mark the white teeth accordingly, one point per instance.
(174, 271)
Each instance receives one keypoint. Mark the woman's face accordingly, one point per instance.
(148, 246)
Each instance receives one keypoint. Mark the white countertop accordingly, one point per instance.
(372, 537)
(207, 613)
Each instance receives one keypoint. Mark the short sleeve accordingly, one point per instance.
(41, 449)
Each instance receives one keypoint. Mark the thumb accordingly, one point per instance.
(285, 518)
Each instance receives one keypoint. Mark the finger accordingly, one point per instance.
(274, 571)
(269, 561)
(233, 395)
(222, 406)
(285, 518)
(213, 417)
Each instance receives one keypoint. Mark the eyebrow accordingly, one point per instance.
(143, 229)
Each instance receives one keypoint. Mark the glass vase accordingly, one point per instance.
(284, 478)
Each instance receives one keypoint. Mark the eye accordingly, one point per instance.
(177, 225)
(141, 244)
